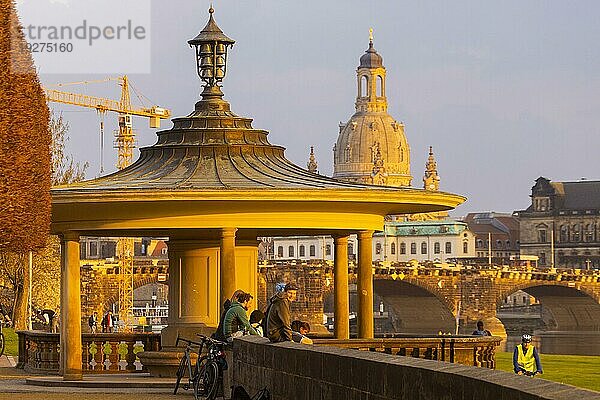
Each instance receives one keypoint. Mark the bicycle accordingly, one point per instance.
(2, 341)
(205, 376)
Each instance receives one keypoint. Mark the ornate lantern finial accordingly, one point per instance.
(211, 47)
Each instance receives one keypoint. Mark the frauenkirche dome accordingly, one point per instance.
(371, 147)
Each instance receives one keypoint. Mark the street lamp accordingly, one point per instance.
(211, 47)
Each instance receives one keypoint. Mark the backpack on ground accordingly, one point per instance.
(262, 395)
(239, 393)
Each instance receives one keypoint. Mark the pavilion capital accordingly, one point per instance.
(341, 238)
(367, 234)
(228, 232)
(70, 236)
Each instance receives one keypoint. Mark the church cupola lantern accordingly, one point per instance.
(211, 47)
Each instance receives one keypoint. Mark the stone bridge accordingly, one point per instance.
(427, 299)
(417, 299)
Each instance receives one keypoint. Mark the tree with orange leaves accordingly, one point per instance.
(25, 162)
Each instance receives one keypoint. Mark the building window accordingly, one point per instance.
(93, 249)
(328, 250)
(301, 251)
(576, 233)
(424, 248)
(312, 251)
(448, 247)
(542, 258)
(364, 86)
(542, 236)
(465, 247)
(279, 251)
(436, 248)
(393, 248)
(402, 248)
(291, 251)
(589, 233)
(564, 233)
(508, 244)
(479, 243)
(413, 248)
(378, 248)
(498, 244)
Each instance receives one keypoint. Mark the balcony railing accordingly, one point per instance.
(101, 352)
(476, 351)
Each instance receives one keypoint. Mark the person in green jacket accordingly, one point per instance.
(278, 319)
(236, 321)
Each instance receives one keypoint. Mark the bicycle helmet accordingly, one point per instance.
(526, 338)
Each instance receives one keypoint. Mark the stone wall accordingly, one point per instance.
(292, 371)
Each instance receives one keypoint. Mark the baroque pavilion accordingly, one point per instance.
(212, 184)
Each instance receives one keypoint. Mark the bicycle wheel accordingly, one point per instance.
(180, 372)
(1, 343)
(210, 379)
(199, 389)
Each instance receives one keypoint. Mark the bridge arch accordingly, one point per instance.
(566, 306)
(413, 305)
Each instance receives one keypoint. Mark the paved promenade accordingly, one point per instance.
(13, 387)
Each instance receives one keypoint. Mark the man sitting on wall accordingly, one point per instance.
(278, 316)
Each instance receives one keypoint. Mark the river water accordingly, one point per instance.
(561, 342)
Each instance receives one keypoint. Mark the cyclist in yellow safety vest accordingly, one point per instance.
(526, 360)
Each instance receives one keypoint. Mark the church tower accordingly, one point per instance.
(371, 147)
(431, 180)
(312, 165)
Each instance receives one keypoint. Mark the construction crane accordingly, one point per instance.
(125, 138)
(124, 143)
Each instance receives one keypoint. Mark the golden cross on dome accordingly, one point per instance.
(370, 34)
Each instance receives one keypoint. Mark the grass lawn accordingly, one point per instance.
(581, 371)
(12, 342)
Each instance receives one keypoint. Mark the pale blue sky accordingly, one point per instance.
(505, 91)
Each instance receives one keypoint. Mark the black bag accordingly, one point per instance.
(239, 393)
(264, 323)
(218, 334)
(262, 395)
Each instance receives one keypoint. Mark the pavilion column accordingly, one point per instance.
(365, 285)
(227, 264)
(340, 288)
(70, 308)
(193, 289)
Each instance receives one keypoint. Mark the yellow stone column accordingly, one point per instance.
(227, 266)
(365, 285)
(193, 289)
(340, 288)
(70, 308)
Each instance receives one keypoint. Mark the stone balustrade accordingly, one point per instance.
(300, 372)
(101, 352)
(478, 351)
